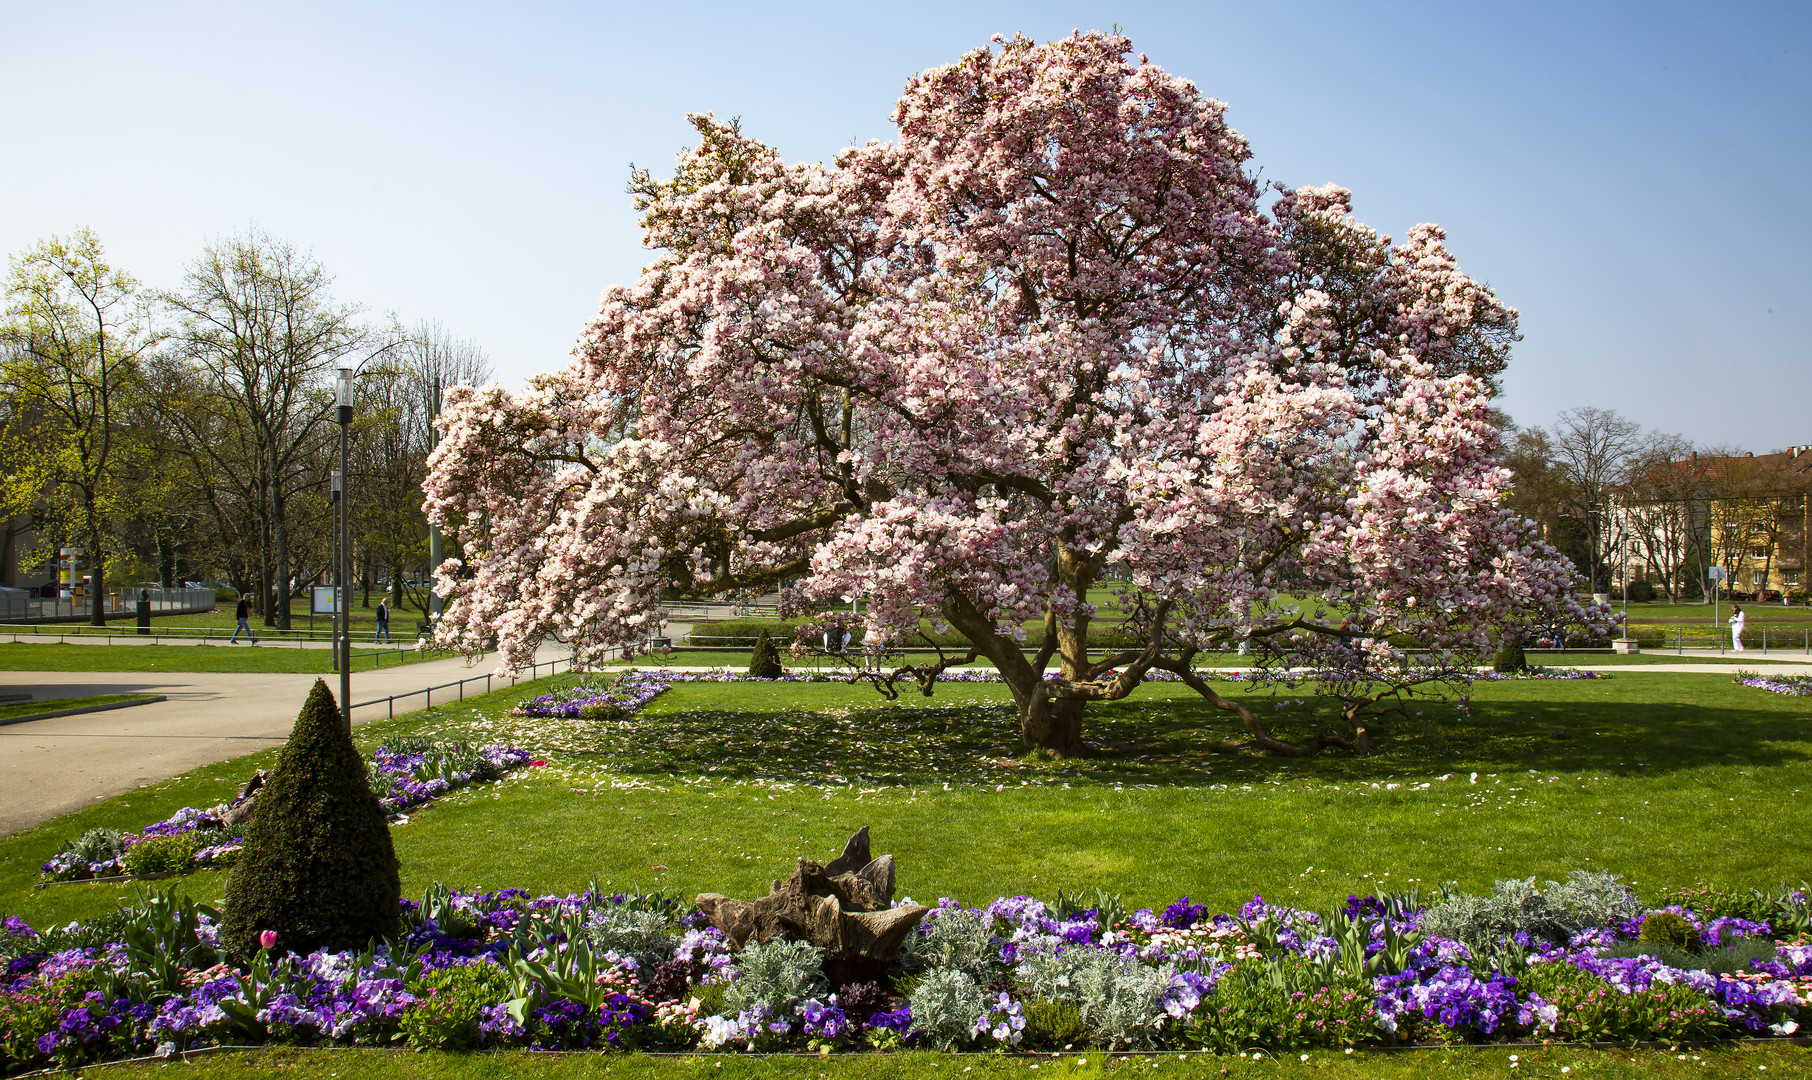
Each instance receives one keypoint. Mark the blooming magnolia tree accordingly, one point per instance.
(1055, 336)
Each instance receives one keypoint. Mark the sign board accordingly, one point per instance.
(322, 600)
(1716, 573)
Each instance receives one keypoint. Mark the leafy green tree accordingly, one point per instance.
(75, 337)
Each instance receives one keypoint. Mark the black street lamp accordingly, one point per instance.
(343, 616)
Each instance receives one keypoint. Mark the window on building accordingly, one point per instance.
(1760, 577)
(1758, 553)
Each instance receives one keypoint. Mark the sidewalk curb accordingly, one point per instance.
(149, 700)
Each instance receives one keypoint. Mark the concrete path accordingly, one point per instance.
(52, 767)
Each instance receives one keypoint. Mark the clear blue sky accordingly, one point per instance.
(1633, 177)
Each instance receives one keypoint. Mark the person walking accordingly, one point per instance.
(1737, 619)
(383, 623)
(242, 613)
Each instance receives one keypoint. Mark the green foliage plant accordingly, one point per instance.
(1120, 1001)
(449, 1005)
(318, 867)
(165, 854)
(764, 662)
(780, 976)
(945, 1005)
(97, 845)
(1590, 1009)
(1279, 1004)
(1585, 899)
(164, 942)
(647, 936)
(1786, 908)
(955, 938)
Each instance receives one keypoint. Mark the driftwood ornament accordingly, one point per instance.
(843, 907)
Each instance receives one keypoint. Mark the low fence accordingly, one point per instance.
(23, 607)
(427, 693)
(1756, 639)
(299, 638)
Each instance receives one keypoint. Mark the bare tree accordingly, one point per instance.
(1594, 449)
(398, 401)
(1663, 508)
(261, 329)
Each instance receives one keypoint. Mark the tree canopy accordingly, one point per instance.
(1057, 332)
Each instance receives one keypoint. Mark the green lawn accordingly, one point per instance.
(1666, 778)
(32, 708)
(1779, 1059)
(31, 656)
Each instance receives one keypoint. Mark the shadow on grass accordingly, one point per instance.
(1632, 724)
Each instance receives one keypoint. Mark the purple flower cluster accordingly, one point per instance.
(401, 778)
(410, 777)
(613, 698)
(1414, 987)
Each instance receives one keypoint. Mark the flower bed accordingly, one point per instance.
(1576, 960)
(405, 773)
(1791, 685)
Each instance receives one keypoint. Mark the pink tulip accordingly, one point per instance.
(267, 939)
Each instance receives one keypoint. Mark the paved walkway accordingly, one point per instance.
(52, 767)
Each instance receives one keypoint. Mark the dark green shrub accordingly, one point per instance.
(164, 854)
(1641, 592)
(449, 1004)
(318, 867)
(1510, 659)
(764, 663)
(1054, 1025)
(1666, 928)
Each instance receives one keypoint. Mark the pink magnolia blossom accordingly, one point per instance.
(1051, 337)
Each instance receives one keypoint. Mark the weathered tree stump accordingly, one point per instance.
(843, 907)
(239, 810)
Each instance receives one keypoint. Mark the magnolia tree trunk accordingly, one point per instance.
(1053, 723)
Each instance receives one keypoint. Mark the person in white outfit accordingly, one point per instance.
(1736, 627)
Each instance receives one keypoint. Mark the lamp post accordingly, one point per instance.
(343, 617)
(339, 497)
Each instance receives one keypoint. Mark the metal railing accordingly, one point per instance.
(390, 701)
(361, 634)
(115, 603)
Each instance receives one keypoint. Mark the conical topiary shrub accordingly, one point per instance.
(318, 867)
(1510, 659)
(765, 663)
